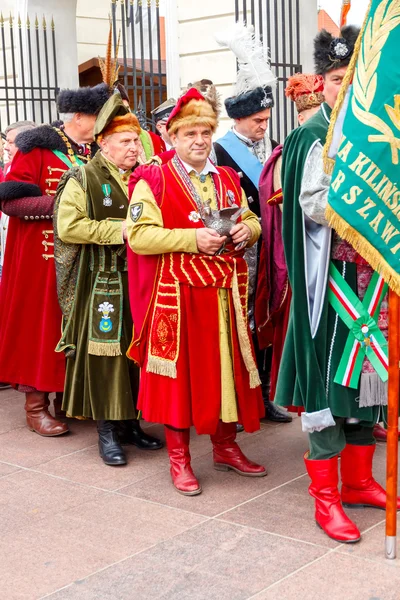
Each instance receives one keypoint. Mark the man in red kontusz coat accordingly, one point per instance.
(31, 318)
(188, 293)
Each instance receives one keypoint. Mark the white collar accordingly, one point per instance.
(209, 168)
(243, 138)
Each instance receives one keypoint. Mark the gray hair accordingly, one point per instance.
(20, 126)
(66, 117)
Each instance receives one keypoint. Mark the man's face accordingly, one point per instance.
(254, 126)
(121, 149)
(193, 144)
(9, 146)
(84, 128)
(307, 114)
(161, 126)
(332, 82)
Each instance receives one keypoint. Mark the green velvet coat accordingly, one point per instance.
(96, 386)
(309, 364)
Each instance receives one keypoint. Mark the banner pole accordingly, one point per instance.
(393, 423)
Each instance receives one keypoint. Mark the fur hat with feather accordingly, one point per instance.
(210, 93)
(333, 53)
(255, 81)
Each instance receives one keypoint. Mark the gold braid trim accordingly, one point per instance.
(329, 163)
(243, 335)
(364, 248)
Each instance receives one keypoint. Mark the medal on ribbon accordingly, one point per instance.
(107, 201)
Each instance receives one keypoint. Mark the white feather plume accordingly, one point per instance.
(254, 66)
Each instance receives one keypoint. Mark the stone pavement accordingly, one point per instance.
(75, 529)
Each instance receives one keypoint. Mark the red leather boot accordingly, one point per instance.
(359, 488)
(228, 455)
(38, 417)
(329, 513)
(182, 475)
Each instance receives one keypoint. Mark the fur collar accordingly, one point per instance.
(45, 137)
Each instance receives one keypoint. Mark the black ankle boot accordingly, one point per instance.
(109, 444)
(130, 432)
(276, 414)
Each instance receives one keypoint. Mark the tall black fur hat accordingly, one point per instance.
(333, 53)
(86, 100)
(254, 81)
(250, 102)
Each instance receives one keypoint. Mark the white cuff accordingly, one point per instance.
(316, 421)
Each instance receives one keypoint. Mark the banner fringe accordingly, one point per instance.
(104, 348)
(160, 366)
(364, 249)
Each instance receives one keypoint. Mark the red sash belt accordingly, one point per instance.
(196, 270)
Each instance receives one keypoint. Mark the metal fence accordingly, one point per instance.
(28, 71)
(277, 24)
(143, 71)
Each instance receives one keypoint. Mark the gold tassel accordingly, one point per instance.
(364, 248)
(243, 335)
(104, 348)
(329, 163)
(160, 366)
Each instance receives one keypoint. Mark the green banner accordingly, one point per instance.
(364, 199)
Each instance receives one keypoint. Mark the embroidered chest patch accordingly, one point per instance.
(136, 211)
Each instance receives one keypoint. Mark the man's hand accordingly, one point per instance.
(124, 232)
(240, 233)
(209, 241)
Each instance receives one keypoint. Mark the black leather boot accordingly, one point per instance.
(275, 413)
(130, 432)
(109, 444)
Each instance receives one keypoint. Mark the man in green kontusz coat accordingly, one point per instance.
(92, 280)
(338, 419)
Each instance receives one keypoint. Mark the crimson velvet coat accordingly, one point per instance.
(30, 326)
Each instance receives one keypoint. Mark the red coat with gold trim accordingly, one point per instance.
(30, 324)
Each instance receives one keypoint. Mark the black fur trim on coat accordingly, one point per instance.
(86, 100)
(44, 137)
(333, 53)
(12, 190)
(249, 103)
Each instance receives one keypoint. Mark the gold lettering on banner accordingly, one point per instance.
(352, 195)
(386, 193)
(389, 232)
(368, 203)
(372, 167)
(344, 152)
(376, 220)
(375, 174)
(379, 185)
(395, 249)
(340, 177)
(359, 163)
